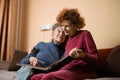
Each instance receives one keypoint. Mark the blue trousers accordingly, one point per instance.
(23, 73)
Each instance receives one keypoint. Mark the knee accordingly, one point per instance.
(36, 77)
(48, 77)
(43, 77)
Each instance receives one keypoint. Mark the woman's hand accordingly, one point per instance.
(33, 61)
(77, 53)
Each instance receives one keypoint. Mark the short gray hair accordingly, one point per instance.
(55, 26)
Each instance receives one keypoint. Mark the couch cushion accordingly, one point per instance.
(113, 62)
(18, 55)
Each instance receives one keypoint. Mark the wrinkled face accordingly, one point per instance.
(68, 28)
(59, 35)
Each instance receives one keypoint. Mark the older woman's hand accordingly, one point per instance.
(33, 61)
(77, 53)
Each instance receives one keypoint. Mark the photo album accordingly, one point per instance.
(55, 66)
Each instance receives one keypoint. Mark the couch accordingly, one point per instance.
(109, 68)
(109, 65)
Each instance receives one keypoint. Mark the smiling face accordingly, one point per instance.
(59, 35)
(68, 28)
(71, 20)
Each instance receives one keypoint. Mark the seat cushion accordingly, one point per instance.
(18, 55)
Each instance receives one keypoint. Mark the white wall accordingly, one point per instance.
(102, 19)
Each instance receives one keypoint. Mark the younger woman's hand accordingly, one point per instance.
(77, 53)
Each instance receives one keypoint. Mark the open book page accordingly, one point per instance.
(34, 67)
(56, 65)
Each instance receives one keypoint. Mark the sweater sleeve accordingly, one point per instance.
(90, 49)
(25, 60)
(33, 53)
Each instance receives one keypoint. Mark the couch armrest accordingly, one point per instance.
(103, 54)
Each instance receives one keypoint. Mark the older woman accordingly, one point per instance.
(80, 46)
(43, 53)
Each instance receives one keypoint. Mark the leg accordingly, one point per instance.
(37, 76)
(56, 75)
(64, 75)
(23, 73)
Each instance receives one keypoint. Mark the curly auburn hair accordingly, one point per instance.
(71, 15)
